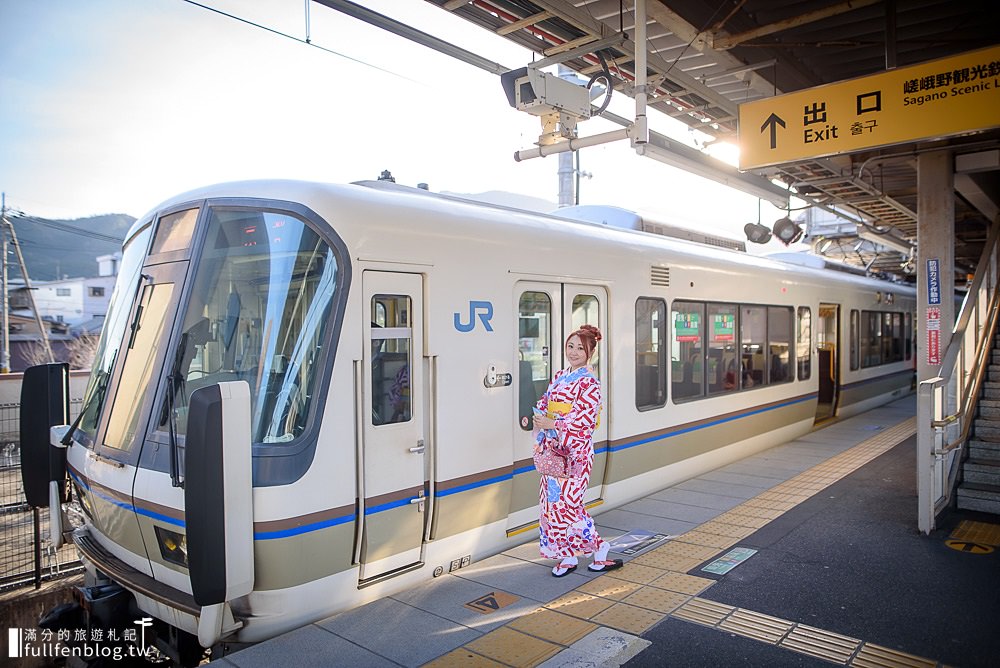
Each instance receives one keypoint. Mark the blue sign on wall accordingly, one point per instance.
(933, 282)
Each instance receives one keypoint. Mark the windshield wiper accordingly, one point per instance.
(175, 476)
(99, 389)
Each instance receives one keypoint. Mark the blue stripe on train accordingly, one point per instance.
(343, 519)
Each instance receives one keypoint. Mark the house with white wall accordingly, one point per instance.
(70, 300)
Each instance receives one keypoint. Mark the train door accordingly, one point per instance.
(547, 312)
(827, 337)
(392, 498)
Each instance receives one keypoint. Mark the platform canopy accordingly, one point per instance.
(706, 59)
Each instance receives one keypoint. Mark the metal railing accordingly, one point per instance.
(946, 404)
(26, 554)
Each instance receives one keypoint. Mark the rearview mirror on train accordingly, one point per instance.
(218, 493)
(44, 403)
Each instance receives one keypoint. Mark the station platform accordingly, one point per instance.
(806, 554)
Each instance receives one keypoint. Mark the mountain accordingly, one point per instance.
(55, 249)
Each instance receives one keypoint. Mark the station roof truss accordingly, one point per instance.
(704, 59)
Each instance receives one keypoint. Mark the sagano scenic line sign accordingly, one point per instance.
(937, 99)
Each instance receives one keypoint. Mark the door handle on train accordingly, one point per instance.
(419, 449)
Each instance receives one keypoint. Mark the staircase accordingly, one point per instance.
(980, 486)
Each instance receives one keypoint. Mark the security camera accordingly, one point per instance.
(542, 94)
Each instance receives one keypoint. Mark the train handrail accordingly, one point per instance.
(359, 452)
(431, 438)
(964, 374)
(983, 345)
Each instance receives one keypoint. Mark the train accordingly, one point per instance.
(308, 396)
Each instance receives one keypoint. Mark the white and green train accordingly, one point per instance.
(308, 396)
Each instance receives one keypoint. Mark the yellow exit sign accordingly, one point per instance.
(945, 97)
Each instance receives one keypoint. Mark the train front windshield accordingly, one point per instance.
(214, 294)
(259, 309)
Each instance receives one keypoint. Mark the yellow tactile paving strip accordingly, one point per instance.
(553, 626)
(513, 648)
(655, 585)
(580, 605)
(874, 656)
(757, 626)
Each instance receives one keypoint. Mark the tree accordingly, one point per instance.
(81, 351)
(34, 353)
(78, 352)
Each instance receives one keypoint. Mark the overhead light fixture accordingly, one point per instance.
(887, 239)
(823, 246)
(787, 231)
(757, 233)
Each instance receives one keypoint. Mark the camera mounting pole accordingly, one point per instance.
(562, 104)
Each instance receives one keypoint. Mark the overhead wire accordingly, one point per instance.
(306, 42)
(63, 227)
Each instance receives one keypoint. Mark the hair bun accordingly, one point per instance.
(591, 330)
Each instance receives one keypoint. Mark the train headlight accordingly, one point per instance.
(173, 546)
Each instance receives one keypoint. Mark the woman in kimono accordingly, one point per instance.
(566, 418)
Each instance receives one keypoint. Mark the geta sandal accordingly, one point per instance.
(603, 566)
(565, 568)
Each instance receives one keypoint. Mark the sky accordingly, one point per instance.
(112, 106)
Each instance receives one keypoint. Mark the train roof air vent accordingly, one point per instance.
(661, 276)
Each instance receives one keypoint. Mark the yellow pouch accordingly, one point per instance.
(557, 408)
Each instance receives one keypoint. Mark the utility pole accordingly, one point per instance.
(9, 229)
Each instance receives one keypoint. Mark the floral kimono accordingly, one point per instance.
(565, 526)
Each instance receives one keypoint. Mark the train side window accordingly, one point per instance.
(173, 232)
(722, 366)
(686, 351)
(391, 347)
(779, 345)
(871, 338)
(888, 334)
(116, 324)
(534, 343)
(587, 311)
(855, 340)
(803, 343)
(753, 333)
(650, 353)
(149, 327)
(909, 336)
(897, 337)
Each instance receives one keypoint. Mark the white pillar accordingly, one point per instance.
(935, 312)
